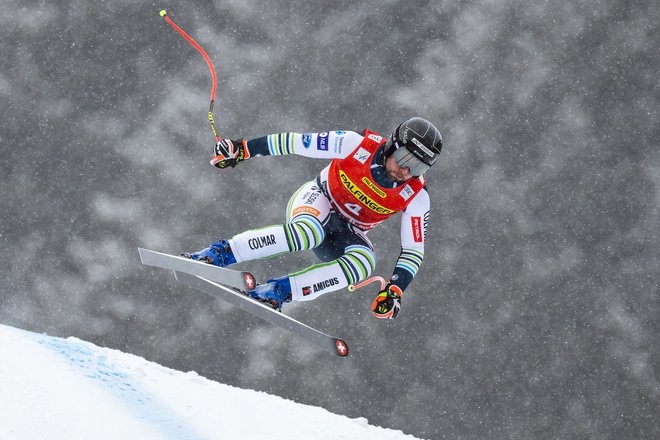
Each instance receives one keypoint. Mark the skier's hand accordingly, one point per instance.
(388, 302)
(227, 153)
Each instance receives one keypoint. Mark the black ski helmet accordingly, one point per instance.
(421, 142)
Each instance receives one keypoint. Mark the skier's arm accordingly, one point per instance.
(330, 145)
(414, 223)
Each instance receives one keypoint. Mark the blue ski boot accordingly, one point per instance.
(218, 254)
(273, 292)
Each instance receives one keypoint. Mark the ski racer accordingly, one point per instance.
(369, 179)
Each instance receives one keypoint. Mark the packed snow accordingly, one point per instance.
(54, 388)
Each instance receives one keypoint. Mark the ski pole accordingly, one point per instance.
(163, 13)
(382, 281)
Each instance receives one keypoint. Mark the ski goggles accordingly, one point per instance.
(405, 159)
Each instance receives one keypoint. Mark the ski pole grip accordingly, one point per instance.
(353, 287)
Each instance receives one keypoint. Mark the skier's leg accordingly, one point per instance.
(347, 254)
(307, 212)
(355, 265)
(249, 245)
(348, 258)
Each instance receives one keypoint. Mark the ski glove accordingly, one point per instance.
(227, 153)
(388, 302)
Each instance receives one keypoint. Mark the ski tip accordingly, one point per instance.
(342, 347)
(163, 12)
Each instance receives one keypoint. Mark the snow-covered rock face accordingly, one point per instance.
(70, 389)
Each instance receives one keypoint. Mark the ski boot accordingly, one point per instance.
(217, 254)
(273, 292)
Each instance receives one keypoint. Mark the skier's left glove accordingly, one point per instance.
(227, 153)
(388, 302)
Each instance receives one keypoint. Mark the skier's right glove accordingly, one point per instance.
(227, 153)
(388, 302)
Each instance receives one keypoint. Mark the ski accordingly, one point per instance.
(230, 286)
(243, 281)
(328, 343)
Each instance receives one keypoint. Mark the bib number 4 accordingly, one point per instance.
(353, 207)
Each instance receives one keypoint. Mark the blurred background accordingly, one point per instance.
(536, 313)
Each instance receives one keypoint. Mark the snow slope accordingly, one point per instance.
(53, 388)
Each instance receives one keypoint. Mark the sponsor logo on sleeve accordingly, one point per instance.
(376, 138)
(407, 192)
(417, 229)
(339, 141)
(322, 141)
(307, 140)
(362, 155)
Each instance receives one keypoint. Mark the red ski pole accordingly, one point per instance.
(380, 280)
(163, 14)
